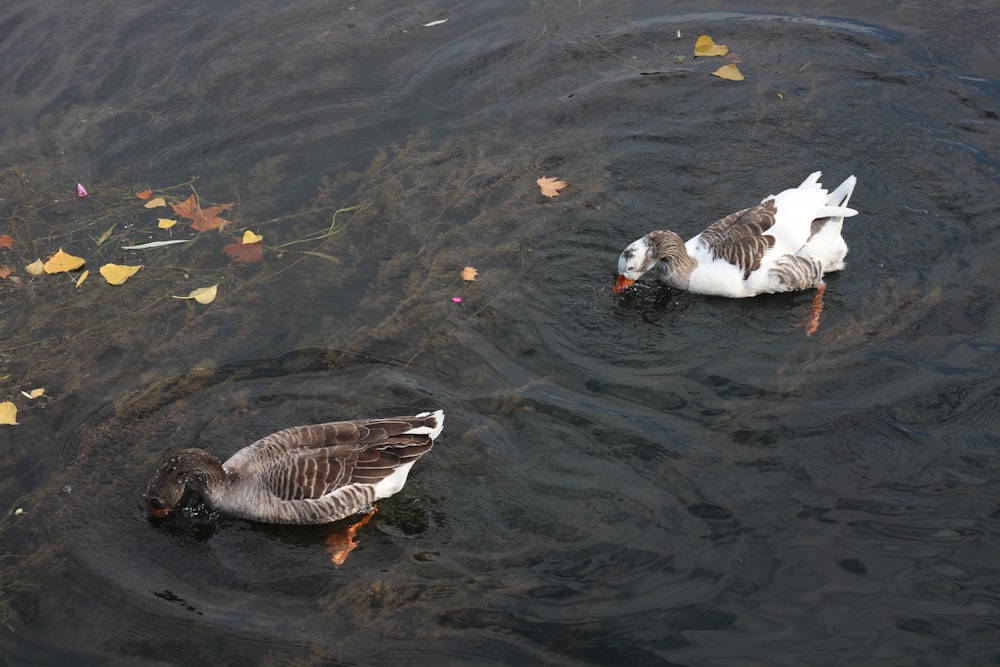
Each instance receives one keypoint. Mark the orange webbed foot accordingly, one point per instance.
(815, 310)
(342, 543)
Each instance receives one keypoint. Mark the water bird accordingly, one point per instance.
(787, 242)
(301, 475)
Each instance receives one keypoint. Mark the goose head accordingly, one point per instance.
(643, 254)
(191, 467)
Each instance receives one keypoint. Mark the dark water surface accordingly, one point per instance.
(649, 480)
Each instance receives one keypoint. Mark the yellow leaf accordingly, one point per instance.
(204, 295)
(62, 262)
(83, 276)
(155, 203)
(706, 47)
(550, 186)
(166, 223)
(35, 268)
(250, 237)
(8, 413)
(116, 274)
(34, 393)
(469, 273)
(729, 72)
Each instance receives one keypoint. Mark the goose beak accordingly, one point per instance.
(622, 283)
(156, 513)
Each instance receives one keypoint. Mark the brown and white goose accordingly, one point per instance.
(305, 474)
(785, 243)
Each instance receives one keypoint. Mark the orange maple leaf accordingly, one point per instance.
(469, 273)
(145, 194)
(6, 241)
(202, 219)
(245, 252)
(550, 186)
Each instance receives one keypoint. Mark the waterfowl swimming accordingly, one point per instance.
(305, 474)
(785, 243)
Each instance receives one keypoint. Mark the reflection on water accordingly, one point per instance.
(655, 479)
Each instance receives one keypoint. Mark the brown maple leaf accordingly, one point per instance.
(550, 186)
(245, 252)
(6, 271)
(6, 241)
(145, 194)
(202, 219)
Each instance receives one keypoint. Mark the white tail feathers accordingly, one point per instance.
(434, 429)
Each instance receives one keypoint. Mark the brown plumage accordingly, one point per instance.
(304, 474)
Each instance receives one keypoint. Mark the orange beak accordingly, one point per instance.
(157, 514)
(622, 283)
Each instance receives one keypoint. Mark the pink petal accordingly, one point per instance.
(81, 191)
(456, 299)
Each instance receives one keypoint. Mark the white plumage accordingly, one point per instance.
(785, 243)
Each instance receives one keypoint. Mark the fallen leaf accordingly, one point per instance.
(434, 23)
(729, 72)
(204, 295)
(145, 194)
(81, 191)
(551, 186)
(456, 299)
(83, 276)
(245, 252)
(116, 274)
(62, 262)
(34, 393)
(154, 244)
(6, 271)
(250, 237)
(6, 241)
(35, 268)
(469, 273)
(107, 234)
(202, 219)
(706, 47)
(155, 203)
(166, 223)
(8, 413)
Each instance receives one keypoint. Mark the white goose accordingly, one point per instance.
(304, 474)
(785, 243)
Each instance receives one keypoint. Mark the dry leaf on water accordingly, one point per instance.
(155, 203)
(706, 47)
(203, 295)
(729, 72)
(81, 191)
(83, 276)
(8, 413)
(36, 268)
(551, 186)
(6, 241)
(202, 219)
(116, 274)
(469, 273)
(245, 252)
(250, 237)
(6, 271)
(166, 223)
(145, 194)
(62, 262)
(34, 393)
